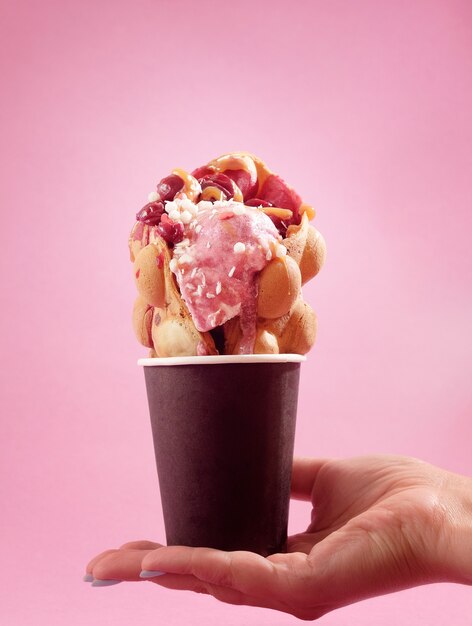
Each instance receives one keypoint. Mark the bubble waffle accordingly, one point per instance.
(220, 256)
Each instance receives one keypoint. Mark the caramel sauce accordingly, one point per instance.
(236, 161)
(238, 196)
(263, 172)
(309, 210)
(284, 214)
(212, 193)
(191, 186)
(243, 161)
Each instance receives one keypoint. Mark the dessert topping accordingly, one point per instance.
(151, 213)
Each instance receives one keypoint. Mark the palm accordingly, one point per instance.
(355, 494)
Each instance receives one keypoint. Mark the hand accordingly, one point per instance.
(379, 524)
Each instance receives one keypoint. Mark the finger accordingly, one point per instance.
(141, 545)
(246, 572)
(91, 564)
(304, 473)
(187, 582)
(235, 577)
(120, 565)
(131, 545)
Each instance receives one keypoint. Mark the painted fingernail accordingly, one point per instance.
(105, 583)
(149, 573)
(88, 578)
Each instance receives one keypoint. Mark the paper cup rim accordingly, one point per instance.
(222, 359)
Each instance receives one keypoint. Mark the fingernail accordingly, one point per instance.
(88, 578)
(105, 583)
(149, 573)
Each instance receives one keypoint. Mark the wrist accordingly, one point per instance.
(456, 534)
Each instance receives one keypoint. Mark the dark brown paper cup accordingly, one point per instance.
(223, 430)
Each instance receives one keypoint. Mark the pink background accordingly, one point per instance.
(365, 108)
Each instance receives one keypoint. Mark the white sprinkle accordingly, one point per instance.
(186, 217)
(231, 271)
(269, 255)
(210, 295)
(205, 204)
(199, 290)
(173, 265)
(170, 206)
(174, 216)
(187, 205)
(238, 210)
(281, 251)
(183, 243)
(208, 244)
(189, 299)
(204, 282)
(153, 196)
(214, 212)
(239, 247)
(198, 228)
(213, 318)
(185, 258)
(182, 271)
(194, 271)
(218, 288)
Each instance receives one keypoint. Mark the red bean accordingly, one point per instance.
(169, 187)
(172, 232)
(151, 213)
(220, 181)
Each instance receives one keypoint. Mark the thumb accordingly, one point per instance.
(304, 473)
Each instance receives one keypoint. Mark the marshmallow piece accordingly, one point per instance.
(186, 217)
(170, 205)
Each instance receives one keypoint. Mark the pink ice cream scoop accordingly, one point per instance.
(216, 265)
